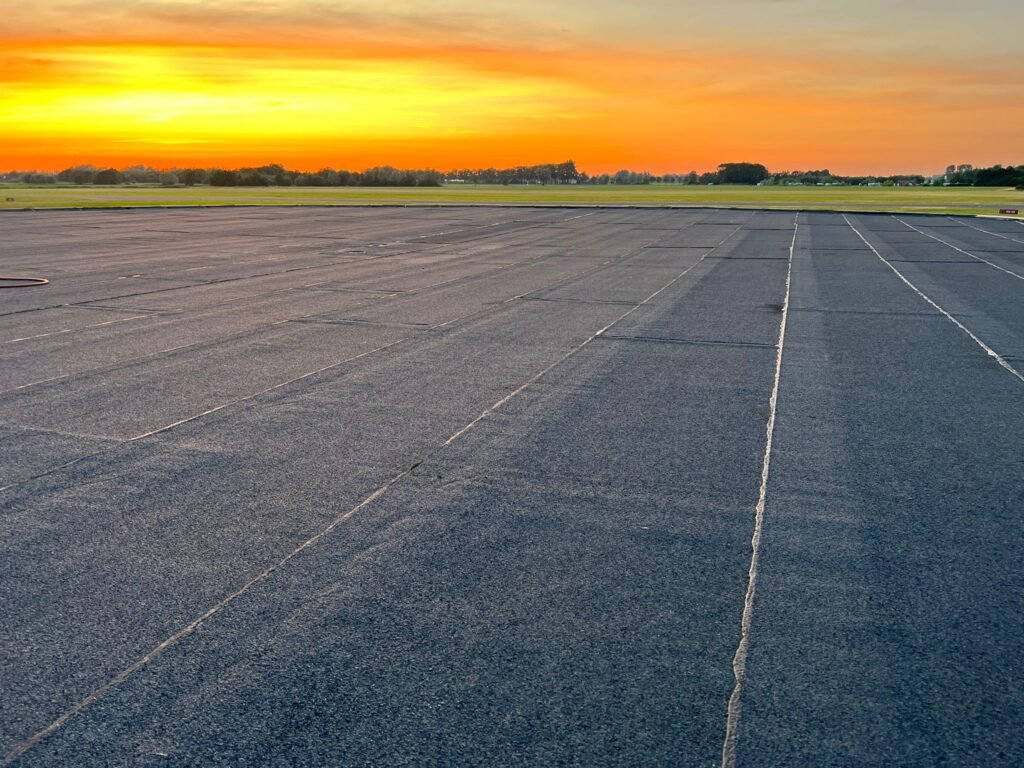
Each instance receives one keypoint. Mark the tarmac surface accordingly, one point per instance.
(499, 486)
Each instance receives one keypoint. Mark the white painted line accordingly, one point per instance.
(955, 248)
(188, 629)
(988, 350)
(587, 341)
(30, 742)
(115, 364)
(220, 407)
(596, 268)
(61, 433)
(739, 662)
(37, 383)
(230, 403)
(151, 355)
(69, 330)
(987, 232)
(288, 320)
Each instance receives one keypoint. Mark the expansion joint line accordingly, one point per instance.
(166, 427)
(986, 231)
(988, 350)
(956, 248)
(739, 662)
(27, 744)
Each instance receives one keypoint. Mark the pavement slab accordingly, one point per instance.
(468, 486)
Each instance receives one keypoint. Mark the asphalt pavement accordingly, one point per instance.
(494, 486)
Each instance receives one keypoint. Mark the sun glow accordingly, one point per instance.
(210, 99)
(309, 84)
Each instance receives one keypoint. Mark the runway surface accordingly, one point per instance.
(511, 487)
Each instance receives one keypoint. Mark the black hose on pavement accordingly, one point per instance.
(22, 282)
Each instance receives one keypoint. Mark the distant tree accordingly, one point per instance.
(192, 176)
(221, 178)
(997, 176)
(79, 174)
(566, 173)
(253, 178)
(547, 173)
(823, 176)
(429, 178)
(108, 176)
(141, 174)
(168, 179)
(741, 173)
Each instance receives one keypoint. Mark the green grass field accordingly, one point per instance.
(943, 200)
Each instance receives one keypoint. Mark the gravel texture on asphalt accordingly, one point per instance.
(477, 486)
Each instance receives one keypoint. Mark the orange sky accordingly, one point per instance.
(858, 87)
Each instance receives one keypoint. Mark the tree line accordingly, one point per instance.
(955, 176)
(567, 173)
(549, 173)
(273, 175)
(996, 176)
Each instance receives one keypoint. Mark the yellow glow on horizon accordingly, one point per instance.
(202, 96)
(356, 92)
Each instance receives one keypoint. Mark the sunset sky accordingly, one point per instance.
(659, 85)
